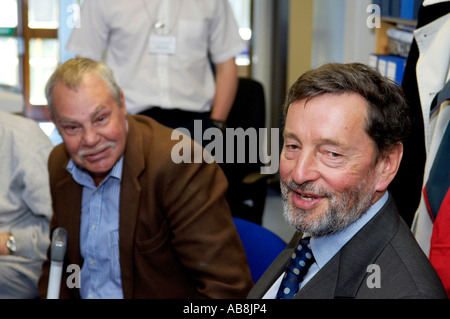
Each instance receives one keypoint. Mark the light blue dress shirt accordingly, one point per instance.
(99, 233)
(325, 247)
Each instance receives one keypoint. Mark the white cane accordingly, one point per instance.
(57, 252)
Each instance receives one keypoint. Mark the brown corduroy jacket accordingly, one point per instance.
(176, 235)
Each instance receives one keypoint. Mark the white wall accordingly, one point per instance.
(328, 32)
(340, 32)
(359, 38)
(262, 49)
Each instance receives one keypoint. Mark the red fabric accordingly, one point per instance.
(440, 243)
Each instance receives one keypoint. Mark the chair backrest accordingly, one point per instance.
(261, 246)
(248, 113)
(249, 107)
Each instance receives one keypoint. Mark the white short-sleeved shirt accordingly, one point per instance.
(119, 32)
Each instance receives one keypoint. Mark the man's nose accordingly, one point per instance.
(90, 137)
(306, 168)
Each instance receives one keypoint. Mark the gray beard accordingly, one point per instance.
(342, 211)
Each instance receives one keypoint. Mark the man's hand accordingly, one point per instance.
(3, 239)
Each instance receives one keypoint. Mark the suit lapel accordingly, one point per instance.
(133, 165)
(323, 284)
(363, 249)
(68, 189)
(342, 276)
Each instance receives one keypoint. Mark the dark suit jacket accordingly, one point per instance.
(386, 241)
(176, 235)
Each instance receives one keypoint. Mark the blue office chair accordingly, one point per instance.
(260, 244)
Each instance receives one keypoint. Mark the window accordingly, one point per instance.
(40, 22)
(43, 14)
(29, 50)
(9, 55)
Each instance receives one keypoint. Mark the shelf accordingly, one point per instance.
(399, 21)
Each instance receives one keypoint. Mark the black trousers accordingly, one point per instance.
(176, 118)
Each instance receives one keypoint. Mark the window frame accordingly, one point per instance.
(36, 112)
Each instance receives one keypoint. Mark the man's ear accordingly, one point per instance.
(388, 166)
(122, 101)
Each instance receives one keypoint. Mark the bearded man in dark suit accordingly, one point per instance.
(344, 126)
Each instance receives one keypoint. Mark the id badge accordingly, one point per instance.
(161, 44)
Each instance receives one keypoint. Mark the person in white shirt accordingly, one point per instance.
(163, 54)
(25, 205)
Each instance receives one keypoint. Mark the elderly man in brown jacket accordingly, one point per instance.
(139, 225)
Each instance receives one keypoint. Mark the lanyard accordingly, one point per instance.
(160, 26)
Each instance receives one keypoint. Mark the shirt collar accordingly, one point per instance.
(82, 176)
(325, 247)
